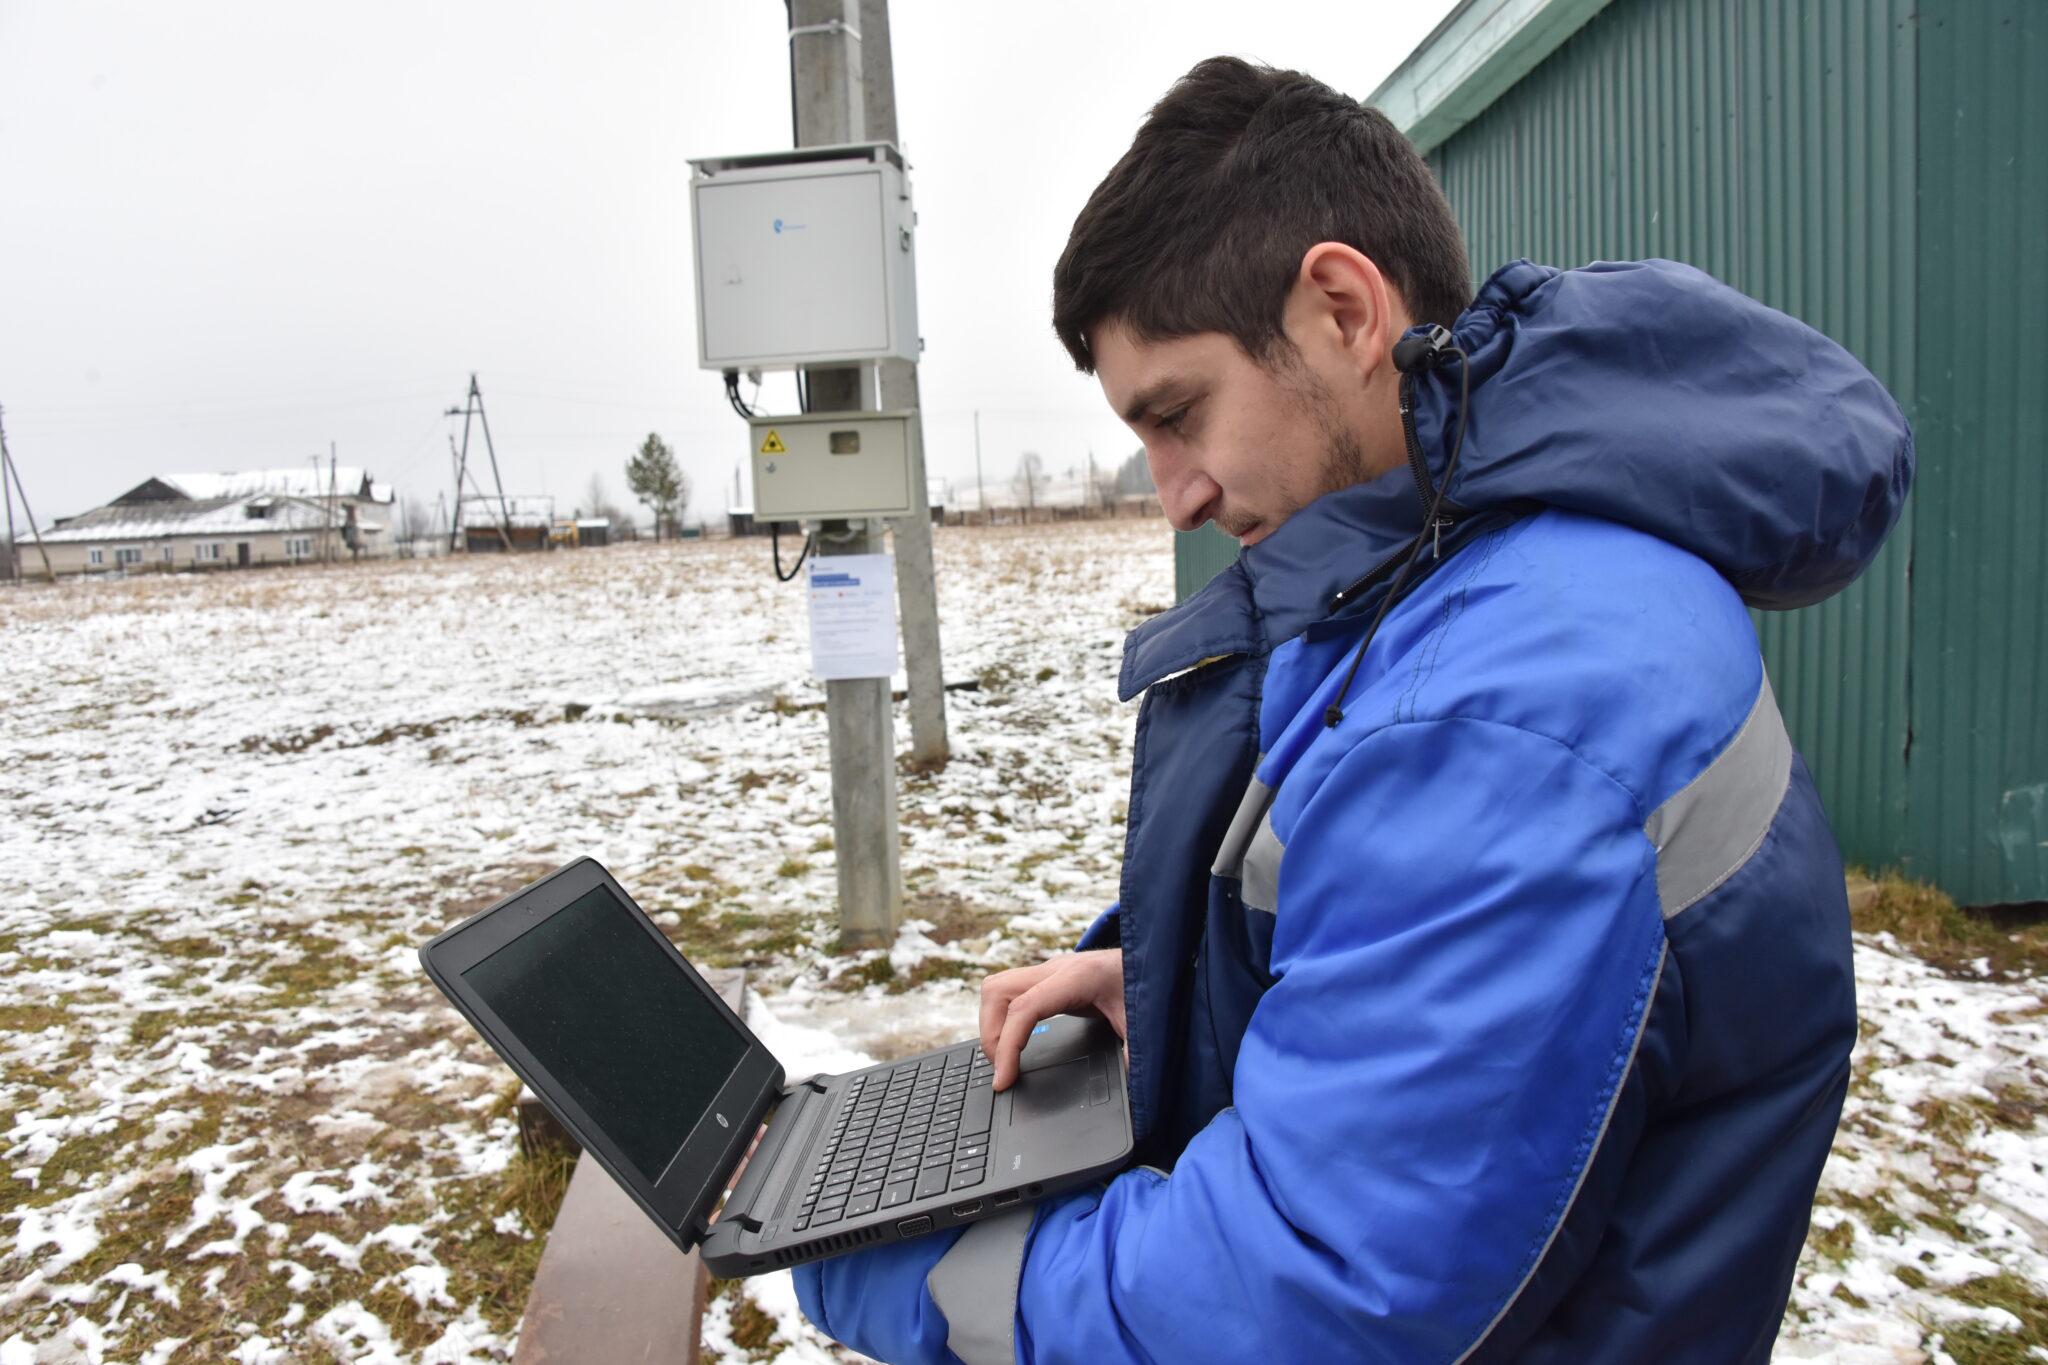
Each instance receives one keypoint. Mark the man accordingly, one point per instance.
(1483, 953)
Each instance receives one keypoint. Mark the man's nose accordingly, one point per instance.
(1184, 493)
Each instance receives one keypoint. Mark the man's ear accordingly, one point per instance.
(1341, 302)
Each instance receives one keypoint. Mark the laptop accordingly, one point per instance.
(659, 1080)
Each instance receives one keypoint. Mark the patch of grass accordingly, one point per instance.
(876, 971)
(714, 935)
(752, 1328)
(292, 742)
(751, 781)
(822, 844)
(31, 1018)
(319, 968)
(791, 868)
(2016, 1296)
(1877, 1214)
(86, 924)
(1941, 1219)
(495, 1269)
(952, 917)
(937, 969)
(1836, 1242)
(697, 872)
(1927, 922)
(1046, 674)
(189, 948)
(1973, 1343)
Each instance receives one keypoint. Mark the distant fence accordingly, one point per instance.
(1052, 512)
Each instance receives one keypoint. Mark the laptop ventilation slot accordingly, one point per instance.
(826, 1246)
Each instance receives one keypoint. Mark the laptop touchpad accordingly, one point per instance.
(1052, 1090)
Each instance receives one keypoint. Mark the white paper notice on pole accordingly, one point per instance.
(853, 616)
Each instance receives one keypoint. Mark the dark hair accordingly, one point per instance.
(1235, 174)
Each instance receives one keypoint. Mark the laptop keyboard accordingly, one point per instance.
(913, 1132)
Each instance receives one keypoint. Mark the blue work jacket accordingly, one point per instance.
(1507, 1017)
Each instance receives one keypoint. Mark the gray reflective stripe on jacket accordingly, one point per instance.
(1251, 851)
(975, 1286)
(1717, 821)
(1703, 834)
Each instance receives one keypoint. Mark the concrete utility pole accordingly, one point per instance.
(825, 82)
(917, 588)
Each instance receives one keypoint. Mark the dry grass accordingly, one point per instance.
(1930, 925)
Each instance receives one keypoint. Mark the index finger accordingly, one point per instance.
(996, 994)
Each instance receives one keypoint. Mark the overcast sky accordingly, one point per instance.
(232, 233)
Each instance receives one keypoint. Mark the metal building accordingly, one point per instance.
(1875, 168)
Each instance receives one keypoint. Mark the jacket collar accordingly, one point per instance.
(1280, 586)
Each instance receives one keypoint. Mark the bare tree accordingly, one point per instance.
(415, 524)
(1030, 479)
(1101, 493)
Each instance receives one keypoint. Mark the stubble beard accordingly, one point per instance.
(1343, 463)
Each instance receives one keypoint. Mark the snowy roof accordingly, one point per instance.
(348, 481)
(209, 517)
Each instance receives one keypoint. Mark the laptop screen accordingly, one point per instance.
(613, 1018)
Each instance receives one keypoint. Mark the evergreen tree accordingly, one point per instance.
(658, 481)
(1134, 475)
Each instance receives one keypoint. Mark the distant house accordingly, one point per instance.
(228, 521)
(518, 523)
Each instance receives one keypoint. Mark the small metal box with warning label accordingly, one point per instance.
(819, 466)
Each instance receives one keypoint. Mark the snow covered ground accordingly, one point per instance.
(238, 1125)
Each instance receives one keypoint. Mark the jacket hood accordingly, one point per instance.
(1645, 392)
(1652, 394)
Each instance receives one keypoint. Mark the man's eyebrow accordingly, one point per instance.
(1151, 395)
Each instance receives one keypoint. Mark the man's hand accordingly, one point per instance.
(1013, 1001)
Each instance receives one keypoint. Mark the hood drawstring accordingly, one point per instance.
(1413, 355)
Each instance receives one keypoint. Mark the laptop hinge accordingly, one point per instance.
(783, 1122)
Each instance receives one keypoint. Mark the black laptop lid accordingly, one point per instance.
(596, 1010)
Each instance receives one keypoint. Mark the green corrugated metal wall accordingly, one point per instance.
(1198, 556)
(1784, 146)
(1979, 767)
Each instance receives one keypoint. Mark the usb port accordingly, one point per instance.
(1007, 1198)
(968, 1209)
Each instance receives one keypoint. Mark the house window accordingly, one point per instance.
(128, 554)
(298, 547)
(207, 553)
(96, 556)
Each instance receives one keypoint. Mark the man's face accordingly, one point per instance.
(1229, 440)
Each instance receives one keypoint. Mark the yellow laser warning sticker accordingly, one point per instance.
(773, 445)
